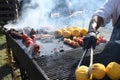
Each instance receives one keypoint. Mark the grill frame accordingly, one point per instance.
(35, 71)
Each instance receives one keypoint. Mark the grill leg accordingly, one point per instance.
(10, 62)
(24, 74)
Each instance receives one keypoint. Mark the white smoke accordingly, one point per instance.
(57, 13)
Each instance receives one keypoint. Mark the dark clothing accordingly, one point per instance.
(116, 31)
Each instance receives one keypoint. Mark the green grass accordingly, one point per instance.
(5, 69)
(5, 72)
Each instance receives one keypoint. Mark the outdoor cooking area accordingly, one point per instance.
(47, 42)
(55, 56)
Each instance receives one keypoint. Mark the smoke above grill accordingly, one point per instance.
(55, 13)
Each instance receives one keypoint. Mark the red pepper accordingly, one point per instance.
(28, 42)
(24, 36)
(36, 48)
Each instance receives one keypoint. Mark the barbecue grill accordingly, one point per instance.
(50, 64)
(60, 65)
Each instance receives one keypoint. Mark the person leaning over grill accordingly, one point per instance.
(110, 10)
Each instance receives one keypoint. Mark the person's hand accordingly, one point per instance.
(90, 40)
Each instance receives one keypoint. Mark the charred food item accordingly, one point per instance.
(28, 42)
(33, 32)
(14, 33)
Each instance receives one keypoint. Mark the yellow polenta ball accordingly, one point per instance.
(63, 29)
(81, 73)
(58, 32)
(113, 70)
(83, 31)
(70, 29)
(66, 34)
(98, 71)
(75, 32)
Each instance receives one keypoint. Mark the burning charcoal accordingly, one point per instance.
(62, 50)
(43, 56)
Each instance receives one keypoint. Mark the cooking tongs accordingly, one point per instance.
(84, 53)
(91, 61)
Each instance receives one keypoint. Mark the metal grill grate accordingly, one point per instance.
(63, 65)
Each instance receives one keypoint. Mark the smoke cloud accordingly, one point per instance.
(56, 13)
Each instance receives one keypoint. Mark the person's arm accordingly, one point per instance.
(95, 23)
(90, 38)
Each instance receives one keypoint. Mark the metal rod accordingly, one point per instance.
(84, 53)
(90, 65)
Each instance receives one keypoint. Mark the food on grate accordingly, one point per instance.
(24, 36)
(33, 32)
(75, 32)
(113, 70)
(72, 43)
(14, 33)
(100, 39)
(63, 29)
(58, 33)
(78, 39)
(67, 40)
(33, 36)
(66, 34)
(76, 44)
(83, 31)
(81, 73)
(28, 42)
(36, 48)
(98, 71)
(69, 29)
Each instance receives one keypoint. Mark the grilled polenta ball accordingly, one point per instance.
(98, 71)
(83, 31)
(113, 70)
(58, 33)
(81, 73)
(75, 32)
(66, 34)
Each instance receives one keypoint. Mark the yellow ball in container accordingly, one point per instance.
(98, 71)
(81, 73)
(113, 70)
